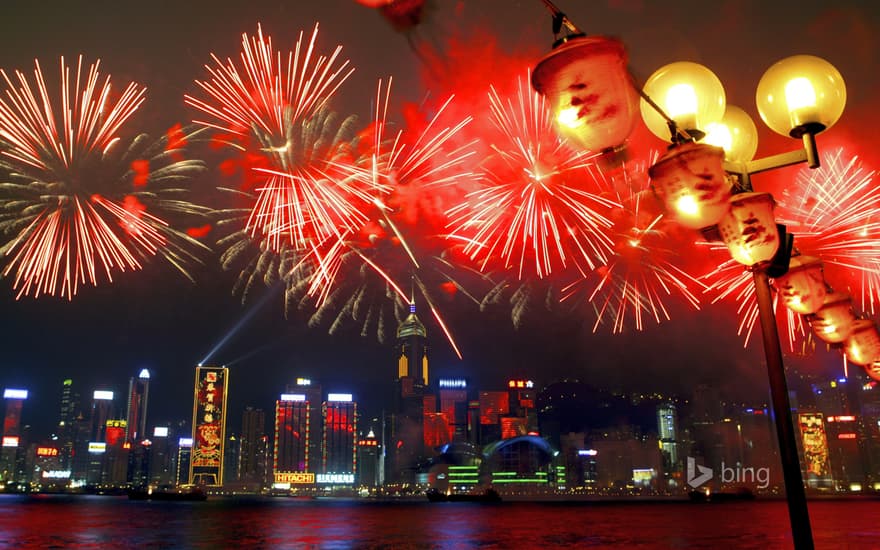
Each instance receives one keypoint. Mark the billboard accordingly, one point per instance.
(295, 478)
(11, 393)
(209, 425)
(815, 443)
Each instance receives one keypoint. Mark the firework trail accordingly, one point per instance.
(533, 212)
(646, 266)
(278, 105)
(78, 205)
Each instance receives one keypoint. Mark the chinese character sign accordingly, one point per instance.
(815, 443)
(209, 419)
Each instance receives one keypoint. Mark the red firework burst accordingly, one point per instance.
(533, 211)
(273, 102)
(365, 274)
(70, 221)
(646, 267)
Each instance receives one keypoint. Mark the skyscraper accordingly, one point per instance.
(14, 399)
(313, 402)
(66, 423)
(292, 437)
(252, 445)
(208, 425)
(136, 411)
(406, 445)
(102, 411)
(339, 441)
(667, 429)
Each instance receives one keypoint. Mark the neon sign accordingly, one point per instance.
(452, 383)
(335, 478)
(101, 395)
(293, 397)
(10, 441)
(10, 393)
(97, 447)
(518, 384)
(339, 397)
(160, 431)
(47, 451)
(303, 382)
(295, 478)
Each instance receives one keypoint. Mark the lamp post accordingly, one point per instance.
(799, 96)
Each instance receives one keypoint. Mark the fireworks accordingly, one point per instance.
(372, 274)
(645, 267)
(833, 213)
(533, 212)
(280, 106)
(78, 205)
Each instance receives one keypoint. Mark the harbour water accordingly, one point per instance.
(59, 521)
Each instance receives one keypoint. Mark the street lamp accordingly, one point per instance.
(799, 96)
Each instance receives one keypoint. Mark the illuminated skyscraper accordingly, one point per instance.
(368, 461)
(667, 429)
(66, 423)
(412, 349)
(136, 411)
(183, 461)
(14, 399)
(292, 436)
(208, 425)
(313, 401)
(405, 425)
(453, 404)
(102, 411)
(339, 441)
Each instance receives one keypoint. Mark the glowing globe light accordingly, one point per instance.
(863, 345)
(749, 228)
(689, 93)
(833, 322)
(802, 94)
(589, 90)
(803, 288)
(735, 133)
(690, 181)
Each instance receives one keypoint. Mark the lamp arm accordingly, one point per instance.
(560, 19)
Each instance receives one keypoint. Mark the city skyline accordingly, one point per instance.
(158, 320)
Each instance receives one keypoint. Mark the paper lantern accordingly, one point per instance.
(803, 288)
(690, 181)
(590, 91)
(749, 228)
(832, 323)
(862, 347)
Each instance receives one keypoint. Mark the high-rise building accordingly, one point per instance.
(102, 411)
(136, 410)
(453, 404)
(184, 460)
(314, 399)
(12, 440)
(405, 424)
(252, 445)
(667, 429)
(208, 425)
(339, 442)
(368, 461)
(66, 424)
(292, 439)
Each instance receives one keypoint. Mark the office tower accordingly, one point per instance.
(292, 439)
(232, 460)
(66, 424)
(160, 457)
(102, 411)
(12, 440)
(368, 461)
(667, 429)
(252, 447)
(184, 460)
(314, 399)
(208, 425)
(116, 452)
(406, 449)
(453, 404)
(136, 411)
(493, 405)
(339, 442)
(521, 401)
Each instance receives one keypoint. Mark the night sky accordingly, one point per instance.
(157, 319)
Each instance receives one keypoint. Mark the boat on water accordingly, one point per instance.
(168, 494)
(488, 496)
